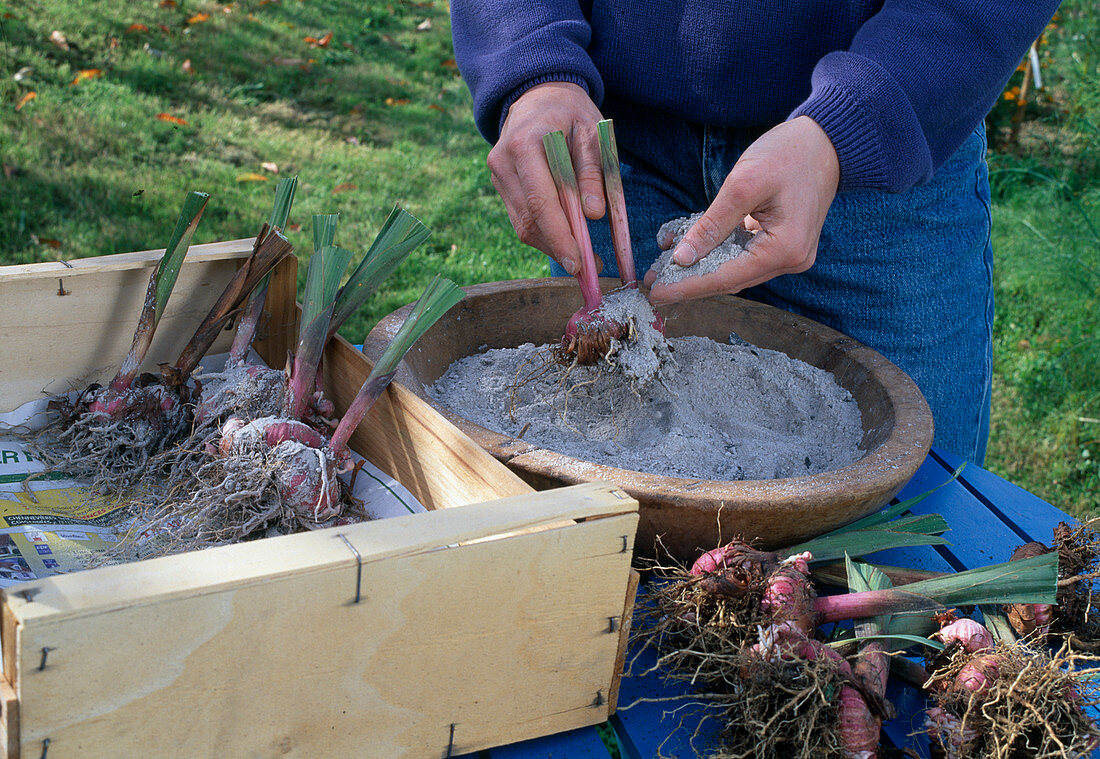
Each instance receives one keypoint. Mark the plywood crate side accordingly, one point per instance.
(451, 471)
(504, 638)
(63, 329)
(490, 613)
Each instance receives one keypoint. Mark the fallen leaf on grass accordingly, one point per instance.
(198, 18)
(270, 166)
(58, 39)
(187, 67)
(397, 101)
(424, 25)
(321, 42)
(437, 107)
(85, 74)
(294, 227)
(114, 43)
(449, 64)
(171, 119)
(251, 177)
(24, 73)
(345, 187)
(167, 4)
(164, 28)
(51, 242)
(25, 99)
(137, 28)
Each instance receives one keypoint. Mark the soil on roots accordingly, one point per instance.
(113, 455)
(1034, 708)
(782, 709)
(1078, 611)
(228, 500)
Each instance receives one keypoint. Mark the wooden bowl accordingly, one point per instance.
(691, 515)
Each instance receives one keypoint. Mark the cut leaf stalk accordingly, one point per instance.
(588, 333)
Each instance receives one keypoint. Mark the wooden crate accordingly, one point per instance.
(496, 616)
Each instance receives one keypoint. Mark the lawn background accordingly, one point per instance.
(104, 128)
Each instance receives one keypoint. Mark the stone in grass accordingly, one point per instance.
(669, 272)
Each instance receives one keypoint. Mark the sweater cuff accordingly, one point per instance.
(878, 138)
(515, 94)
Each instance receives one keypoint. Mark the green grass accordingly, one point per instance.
(90, 170)
(381, 108)
(1046, 216)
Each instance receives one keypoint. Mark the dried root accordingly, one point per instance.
(697, 633)
(230, 499)
(1013, 702)
(783, 705)
(114, 450)
(1077, 613)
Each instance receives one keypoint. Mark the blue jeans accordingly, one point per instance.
(909, 275)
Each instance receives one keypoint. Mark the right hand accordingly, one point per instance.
(520, 173)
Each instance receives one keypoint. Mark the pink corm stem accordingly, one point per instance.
(870, 603)
(616, 203)
(565, 180)
(358, 409)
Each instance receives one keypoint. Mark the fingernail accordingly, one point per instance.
(591, 202)
(569, 265)
(684, 254)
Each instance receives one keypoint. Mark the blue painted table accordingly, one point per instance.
(989, 516)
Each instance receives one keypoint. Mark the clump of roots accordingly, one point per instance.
(1078, 611)
(698, 634)
(782, 708)
(230, 499)
(113, 452)
(1015, 702)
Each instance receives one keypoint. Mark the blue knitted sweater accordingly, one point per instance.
(896, 84)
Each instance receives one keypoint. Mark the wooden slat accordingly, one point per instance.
(626, 622)
(55, 343)
(504, 639)
(412, 442)
(116, 262)
(9, 720)
(277, 335)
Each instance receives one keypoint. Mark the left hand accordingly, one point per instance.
(781, 188)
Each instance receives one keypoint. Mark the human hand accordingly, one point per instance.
(518, 168)
(781, 188)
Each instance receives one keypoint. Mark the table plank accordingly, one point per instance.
(646, 729)
(582, 743)
(967, 516)
(1027, 512)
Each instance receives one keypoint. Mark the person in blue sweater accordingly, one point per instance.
(848, 135)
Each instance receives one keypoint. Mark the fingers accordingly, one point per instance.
(519, 171)
(756, 265)
(525, 185)
(584, 146)
(781, 188)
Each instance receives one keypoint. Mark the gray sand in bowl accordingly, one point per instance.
(716, 412)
